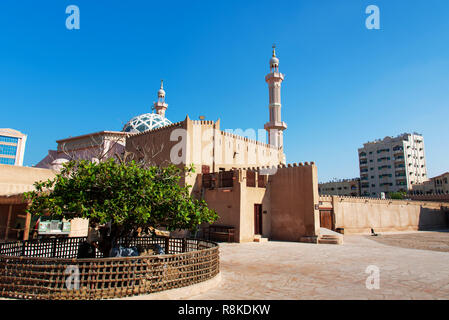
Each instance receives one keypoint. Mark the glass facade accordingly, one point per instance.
(7, 150)
(9, 139)
(12, 146)
(10, 161)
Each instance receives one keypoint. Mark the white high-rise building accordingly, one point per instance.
(392, 164)
(12, 146)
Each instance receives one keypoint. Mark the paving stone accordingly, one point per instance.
(288, 270)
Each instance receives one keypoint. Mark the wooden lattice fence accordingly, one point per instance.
(49, 269)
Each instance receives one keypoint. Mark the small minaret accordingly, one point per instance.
(275, 126)
(160, 104)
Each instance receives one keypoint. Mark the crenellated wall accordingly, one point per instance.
(359, 214)
(430, 197)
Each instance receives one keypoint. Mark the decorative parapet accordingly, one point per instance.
(279, 166)
(431, 197)
(382, 201)
(246, 139)
(169, 126)
(202, 122)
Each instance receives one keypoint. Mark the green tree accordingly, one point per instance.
(397, 195)
(126, 194)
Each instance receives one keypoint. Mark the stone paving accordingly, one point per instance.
(287, 270)
(438, 241)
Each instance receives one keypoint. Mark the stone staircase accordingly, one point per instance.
(329, 237)
(259, 238)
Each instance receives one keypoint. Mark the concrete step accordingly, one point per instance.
(330, 240)
(328, 236)
(258, 238)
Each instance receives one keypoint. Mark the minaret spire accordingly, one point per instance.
(275, 126)
(160, 105)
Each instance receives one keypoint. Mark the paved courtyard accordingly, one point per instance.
(286, 270)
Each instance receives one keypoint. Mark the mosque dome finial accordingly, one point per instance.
(161, 92)
(274, 61)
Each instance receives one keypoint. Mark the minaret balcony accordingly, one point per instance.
(281, 125)
(274, 76)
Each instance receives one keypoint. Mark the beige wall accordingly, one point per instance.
(294, 203)
(235, 207)
(227, 204)
(359, 215)
(155, 146)
(204, 143)
(251, 196)
(15, 179)
(288, 204)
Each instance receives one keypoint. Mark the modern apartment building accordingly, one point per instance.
(345, 187)
(392, 164)
(12, 146)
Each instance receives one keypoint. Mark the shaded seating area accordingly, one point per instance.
(220, 233)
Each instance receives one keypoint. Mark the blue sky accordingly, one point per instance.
(344, 85)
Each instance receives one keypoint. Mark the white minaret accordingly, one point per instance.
(275, 126)
(160, 105)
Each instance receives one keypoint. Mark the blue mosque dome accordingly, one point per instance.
(150, 121)
(145, 122)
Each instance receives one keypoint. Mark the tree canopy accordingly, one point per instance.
(127, 194)
(400, 195)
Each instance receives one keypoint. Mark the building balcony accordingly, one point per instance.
(400, 174)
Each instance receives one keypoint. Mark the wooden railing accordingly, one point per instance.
(45, 268)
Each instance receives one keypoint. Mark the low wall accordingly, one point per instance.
(359, 215)
(39, 269)
(430, 197)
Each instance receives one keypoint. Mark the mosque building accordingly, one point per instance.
(257, 195)
(245, 180)
(202, 143)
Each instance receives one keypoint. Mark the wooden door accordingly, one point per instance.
(326, 219)
(257, 219)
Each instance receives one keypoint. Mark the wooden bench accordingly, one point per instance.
(218, 232)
